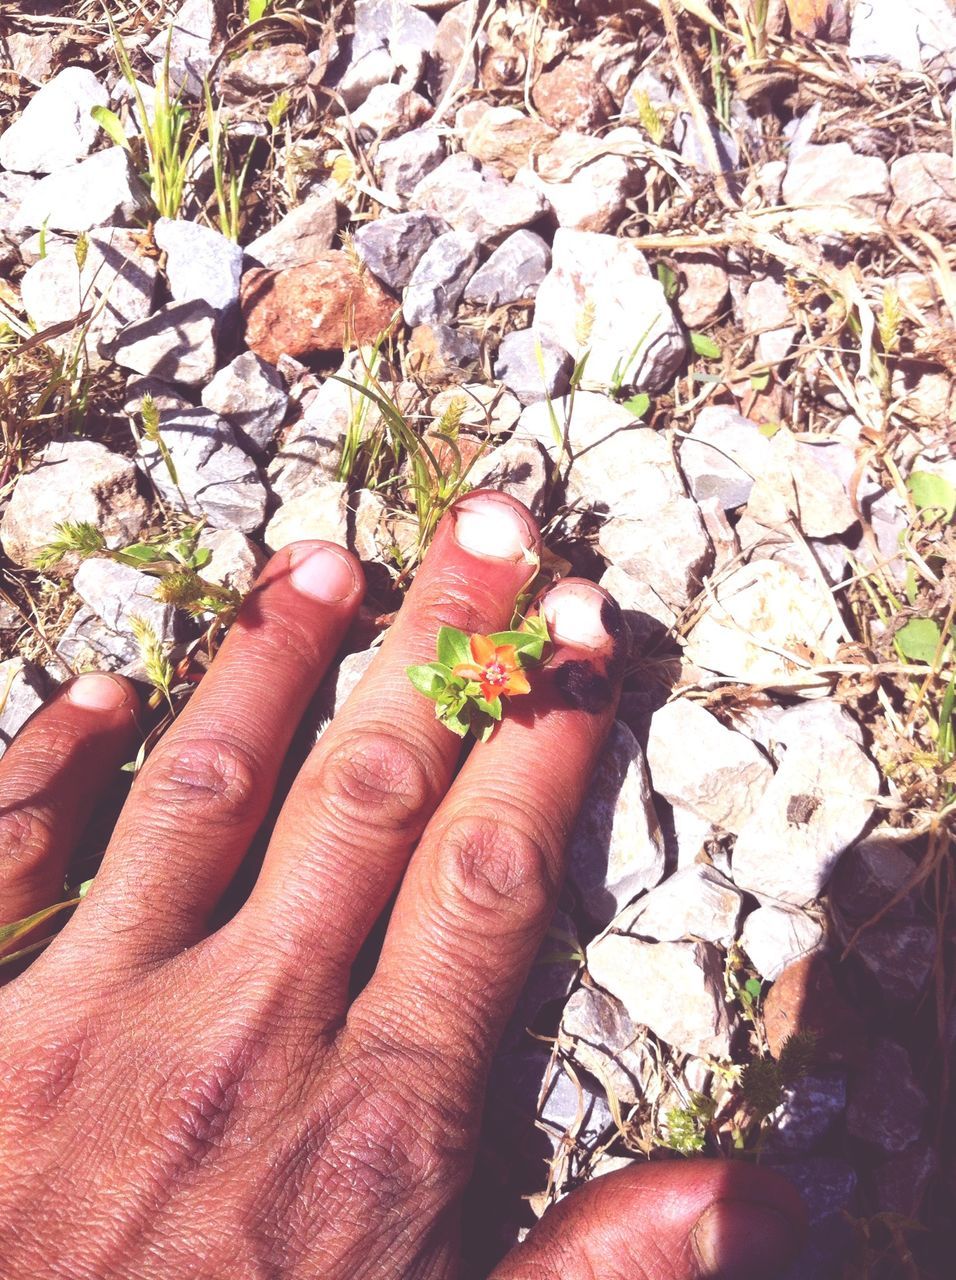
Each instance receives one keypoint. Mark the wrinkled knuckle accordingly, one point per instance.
(452, 601)
(376, 779)
(211, 778)
(26, 836)
(494, 871)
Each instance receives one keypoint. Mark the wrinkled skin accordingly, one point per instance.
(186, 1099)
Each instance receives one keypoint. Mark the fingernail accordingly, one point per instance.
(746, 1241)
(97, 692)
(487, 525)
(575, 613)
(322, 573)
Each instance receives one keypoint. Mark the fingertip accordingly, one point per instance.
(324, 571)
(102, 691)
(582, 614)
(494, 526)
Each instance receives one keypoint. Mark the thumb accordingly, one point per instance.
(694, 1220)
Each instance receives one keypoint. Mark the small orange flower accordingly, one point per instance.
(495, 667)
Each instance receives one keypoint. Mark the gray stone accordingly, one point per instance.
(598, 1035)
(834, 175)
(554, 971)
(22, 691)
(475, 199)
(312, 447)
(346, 677)
(694, 903)
(391, 246)
(692, 149)
(827, 1187)
(14, 189)
(79, 480)
(900, 955)
(192, 39)
(584, 180)
(886, 1105)
(163, 394)
(517, 366)
(305, 233)
(902, 1180)
(924, 187)
(403, 162)
(319, 513)
(101, 191)
(676, 989)
(821, 718)
(669, 548)
(390, 38)
(600, 297)
(214, 478)
(116, 593)
(767, 313)
(792, 484)
(201, 264)
(390, 108)
(616, 849)
(722, 456)
(811, 1107)
(485, 410)
(696, 763)
(250, 393)
(439, 279)
(377, 530)
(871, 876)
(88, 644)
(446, 352)
(816, 805)
(648, 616)
(518, 468)
(773, 937)
(570, 1113)
(175, 344)
(234, 560)
(56, 128)
(513, 271)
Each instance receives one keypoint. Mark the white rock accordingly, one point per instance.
(192, 39)
(518, 468)
(918, 35)
(696, 763)
(767, 313)
(648, 616)
(22, 691)
(706, 285)
(835, 175)
(234, 560)
(14, 189)
(117, 593)
(201, 264)
(695, 903)
(587, 188)
(818, 802)
(517, 366)
(600, 1036)
(722, 456)
(100, 191)
(773, 937)
(669, 547)
(924, 187)
(676, 989)
(250, 393)
(78, 480)
(476, 199)
(56, 128)
(793, 485)
(758, 615)
(176, 344)
(301, 236)
(391, 38)
(616, 849)
(321, 513)
(600, 296)
(390, 108)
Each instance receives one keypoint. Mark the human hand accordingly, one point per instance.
(176, 1102)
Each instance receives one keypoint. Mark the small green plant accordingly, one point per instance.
(763, 1081)
(650, 118)
(149, 422)
(685, 1128)
(257, 9)
(228, 180)
(154, 657)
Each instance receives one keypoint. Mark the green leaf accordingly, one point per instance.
(638, 405)
(932, 492)
(142, 553)
(492, 708)
(760, 381)
(482, 727)
(430, 678)
(457, 721)
(257, 9)
(668, 280)
(453, 647)
(110, 123)
(769, 429)
(919, 640)
(705, 346)
(527, 643)
(753, 986)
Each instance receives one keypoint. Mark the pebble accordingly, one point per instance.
(834, 175)
(774, 937)
(598, 1034)
(234, 560)
(301, 311)
(900, 955)
(792, 484)
(177, 343)
(392, 246)
(252, 396)
(507, 138)
(390, 37)
(56, 129)
(570, 96)
(201, 264)
(14, 189)
(648, 616)
(101, 191)
(268, 70)
(518, 367)
(78, 480)
(22, 691)
(924, 189)
(811, 1106)
(722, 456)
(920, 36)
(698, 764)
(584, 181)
(304, 234)
(88, 644)
(476, 199)
(439, 279)
(117, 593)
(485, 410)
(705, 288)
(440, 352)
(695, 902)
(518, 468)
(616, 849)
(871, 876)
(669, 547)
(512, 272)
(214, 477)
(320, 513)
(600, 297)
(192, 39)
(572, 1114)
(407, 160)
(676, 989)
(390, 108)
(886, 1105)
(767, 313)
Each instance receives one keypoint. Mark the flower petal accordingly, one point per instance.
(467, 670)
(482, 649)
(507, 655)
(517, 682)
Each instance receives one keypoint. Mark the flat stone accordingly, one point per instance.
(600, 297)
(696, 763)
(886, 1105)
(676, 989)
(88, 644)
(475, 199)
(32, 57)
(585, 180)
(774, 937)
(648, 616)
(305, 310)
(600, 1036)
(570, 96)
(163, 394)
(56, 128)
(921, 36)
(811, 1106)
(117, 593)
(322, 514)
(407, 160)
(439, 279)
(871, 876)
(214, 477)
(101, 191)
(267, 70)
(518, 468)
(900, 955)
(767, 314)
(834, 174)
(706, 286)
(818, 802)
(14, 189)
(304, 234)
(513, 271)
(572, 1114)
(670, 548)
(695, 903)
(78, 480)
(23, 687)
(392, 246)
(250, 393)
(722, 456)
(517, 366)
(177, 343)
(201, 264)
(485, 410)
(616, 849)
(234, 560)
(507, 138)
(792, 484)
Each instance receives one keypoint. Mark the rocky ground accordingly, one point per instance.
(676, 274)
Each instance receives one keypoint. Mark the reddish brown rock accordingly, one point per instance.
(572, 97)
(805, 998)
(319, 306)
